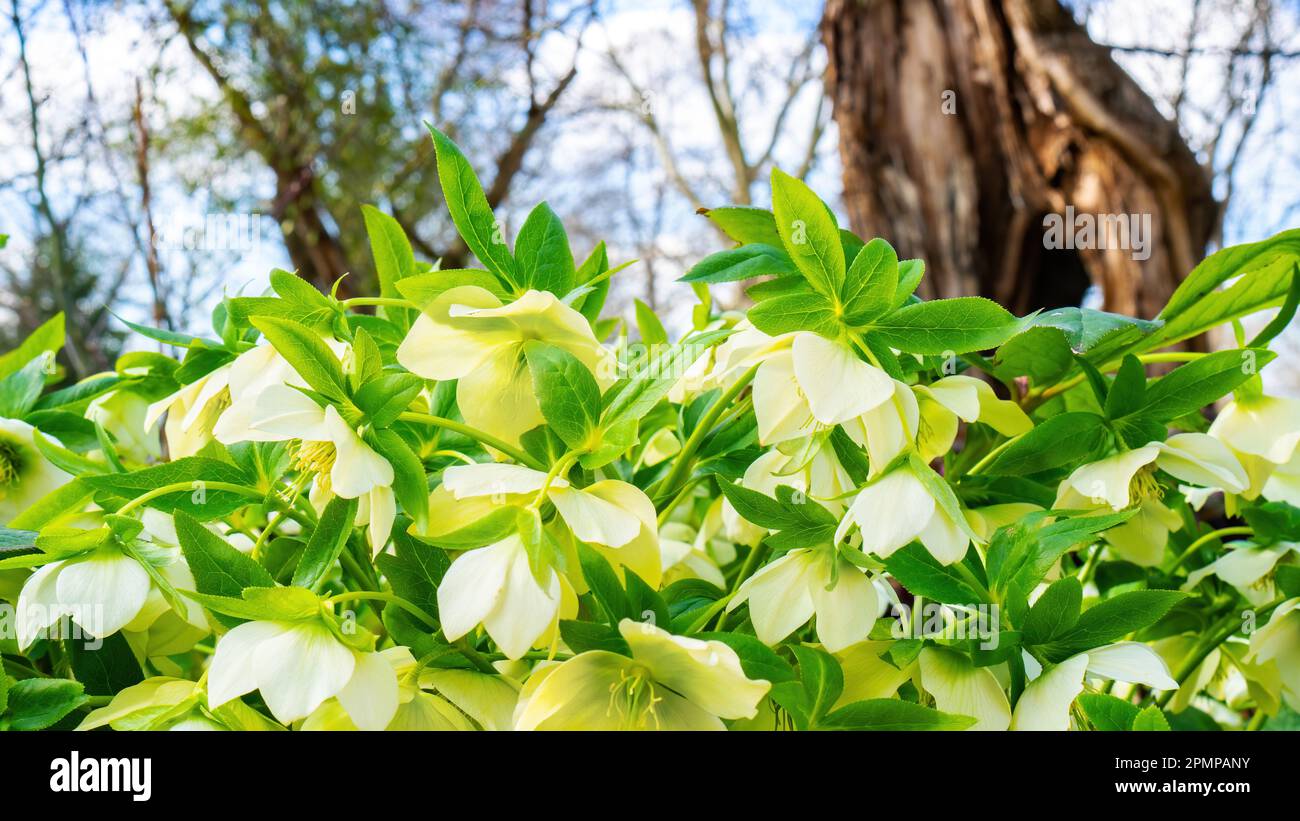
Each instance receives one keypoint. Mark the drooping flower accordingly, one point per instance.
(1247, 567)
(466, 334)
(963, 397)
(1045, 703)
(122, 413)
(25, 474)
(785, 594)
(815, 382)
(297, 665)
(192, 412)
(107, 590)
(1279, 642)
(668, 683)
(251, 374)
(495, 587)
(897, 508)
(332, 450)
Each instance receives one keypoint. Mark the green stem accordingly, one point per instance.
(993, 454)
(685, 459)
(473, 433)
(557, 470)
(1090, 565)
(746, 570)
(389, 598)
(678, 499)
(382, 301)
(1146, 359)
(190, 486)
(475, 657)
(1206, 539)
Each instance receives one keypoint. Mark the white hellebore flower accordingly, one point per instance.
(251, 374)
(815, 382)
(615, 517)
(1248, 568)
(945, 401)
(495, 586)
(332, 449)
(192, 412)
(668, 683)
(1045, 703)
(466, 334)
(897, 508)
(104, 591)
(123, 413)
(1279, 642)
(25, 474)
(1263, 426)
(785, 594)
(297, 666)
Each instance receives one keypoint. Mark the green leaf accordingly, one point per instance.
(470, 210)
(1099, 334)
(891, 714)
(822, 680)
(1108, 713)
(910, 274)
(745, 224)
(394, 259)
(19, 391)
(796, 312)
(1111, 620)
(583, 636)
(1192, 386)
(1041, 353)
(197, 499)
(326, 543)
(1064, 440)
(1273, 522)
(37, 703)
(603, 581)
(414, 570)
(872, 282)
(942, 326)
(1152, 718)
(651, 329)
(218, 568)
(1285, 314)
(542, 253)
(634, 396)
(1055, 612)
(382, 400)
(1128, 390)
(748, 261)
(809, 234)
(306, 352)
(410, 484)
(566, 391)
(48, 337)
(923, 575)
(1255, 263)
(422, 289)
(107, 669)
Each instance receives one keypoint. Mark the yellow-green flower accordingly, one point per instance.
(466, 334)
(668, 683)
(25, 474)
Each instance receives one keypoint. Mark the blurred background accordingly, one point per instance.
(158, 154)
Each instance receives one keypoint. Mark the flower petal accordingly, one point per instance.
(370, 696)
(1045, 703)
(961, 688)
(838, 384)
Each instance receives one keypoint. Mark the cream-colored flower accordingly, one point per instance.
(123, 413)
(1279, 642)
(192, 412)
(814, 384)
(1264, 426)
(331, 449)
(897, 508)
(466, 334)
(251, 374)
(25, 474)
(103, 592)
(966, 398)
(785, 594)
(668, 683)
(495, 587)
(1045, 703)
(297, 666)
(683, 557)
(1247, 567)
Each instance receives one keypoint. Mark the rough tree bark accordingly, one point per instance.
(1038, 118)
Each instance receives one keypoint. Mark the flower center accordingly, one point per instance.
(633, 698)
(317, 458)
(13, 460)
(1144, 486)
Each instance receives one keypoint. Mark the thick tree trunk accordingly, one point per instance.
(964, 123)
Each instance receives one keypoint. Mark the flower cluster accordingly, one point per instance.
(471, 503)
